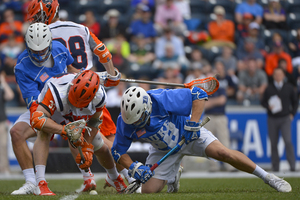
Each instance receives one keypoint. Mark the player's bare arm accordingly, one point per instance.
(72, 69)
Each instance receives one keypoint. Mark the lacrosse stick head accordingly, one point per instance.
(131, 188)
(74, 129)
(210, 84)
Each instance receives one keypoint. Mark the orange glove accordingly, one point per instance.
(32, 109)
(87, 151)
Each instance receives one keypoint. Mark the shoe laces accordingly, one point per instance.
(26, 186)
(276, 182)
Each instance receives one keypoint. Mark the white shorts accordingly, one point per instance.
(25, 117)
(169, 168)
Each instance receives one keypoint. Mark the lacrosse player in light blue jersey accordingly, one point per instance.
(162, 117)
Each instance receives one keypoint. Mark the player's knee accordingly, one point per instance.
(17, 134)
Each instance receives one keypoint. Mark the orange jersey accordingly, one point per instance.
(108, 127)
(272, 62)
(224, 31)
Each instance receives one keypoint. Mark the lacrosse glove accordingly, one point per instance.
(88, 152)
(108, 80)
(191, 131)
(140, 172)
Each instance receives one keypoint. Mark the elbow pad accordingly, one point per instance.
(198, 93)
(102, 53)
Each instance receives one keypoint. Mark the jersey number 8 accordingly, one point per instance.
(77, 49)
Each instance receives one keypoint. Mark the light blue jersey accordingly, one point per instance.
(170, 109)
(31, 78)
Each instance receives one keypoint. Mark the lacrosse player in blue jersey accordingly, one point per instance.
(162, 118)
(41, 60)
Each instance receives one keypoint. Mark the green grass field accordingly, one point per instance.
(235, 189)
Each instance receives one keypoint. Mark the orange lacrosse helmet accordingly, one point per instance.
(83, 88)
(42, 11)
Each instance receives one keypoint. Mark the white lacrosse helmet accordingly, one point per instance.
(38, 40)
(136, 106)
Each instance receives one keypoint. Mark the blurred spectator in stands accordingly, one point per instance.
(221, 30)
(168, 14)
(274, 16)
(171, 57)
(6, 94)
(168, 37)
(91, 23)
(197, 56)
(150, 3)
(254, 34)
(249, 50)
(294, 46)
(141, 58)
(120, 49)
(277, 38)
(290, 78)
(252, 83)
(243, 28)
(63, 15)
(249, 6)
(143, 27)
(15, 5)
(215, 109)
(229, 61)
(112, 27)
(273, 58)
(184, 7)
(281, 102)
(10, 26)
(195, 72)
(171, 74)
(229, 83)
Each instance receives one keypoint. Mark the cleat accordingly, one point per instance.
(174, 187)
(87, 186)
(43, 190)
(27, 188)
(118, 183)
(277, 183)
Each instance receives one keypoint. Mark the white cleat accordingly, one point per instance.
(174, 187)
(277, 183)
(27, 188)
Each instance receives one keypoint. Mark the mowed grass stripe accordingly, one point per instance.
(224, 188)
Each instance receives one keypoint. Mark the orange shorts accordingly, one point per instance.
(108, 127)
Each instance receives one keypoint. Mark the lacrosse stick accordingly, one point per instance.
(74, 130)
(210, 84)
(131, 188)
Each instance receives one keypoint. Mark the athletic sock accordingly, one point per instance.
(112, 173)
(29, 175)
(125, 174)
(40, 173)
(259, 172)
(86, 175)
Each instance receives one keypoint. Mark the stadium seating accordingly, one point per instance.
(293, 6)
(198, 6)
(121, 5)
(293, 20)
(229, 6)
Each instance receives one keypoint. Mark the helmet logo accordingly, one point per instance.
(145, 99)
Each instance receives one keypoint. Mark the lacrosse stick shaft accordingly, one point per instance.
(204, 121)
(82, 157)
(151, 82)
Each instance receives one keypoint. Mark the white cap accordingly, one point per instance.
(274, 0)
(219, 10)
(254, 25)
(113, 13)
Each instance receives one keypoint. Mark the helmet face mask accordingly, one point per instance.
(38, 40)
(136, 107)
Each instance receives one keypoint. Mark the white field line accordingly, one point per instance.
(70, 197)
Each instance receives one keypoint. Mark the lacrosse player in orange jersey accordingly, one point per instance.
(65, 98)
(82, 44)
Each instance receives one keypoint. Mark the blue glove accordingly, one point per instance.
(191, 131)
(140, 172)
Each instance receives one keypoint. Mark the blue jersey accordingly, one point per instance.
(170, 109)
(31, 78)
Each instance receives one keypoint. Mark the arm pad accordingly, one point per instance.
(38, 120)
(198, 93)
(103, 53)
